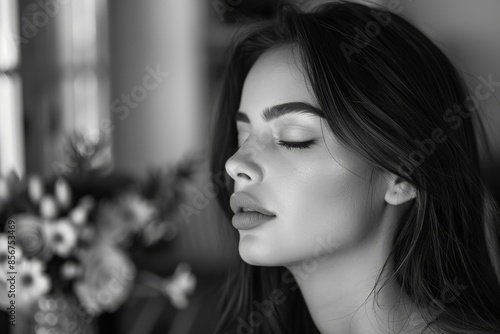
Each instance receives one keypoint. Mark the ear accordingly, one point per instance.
(399, 191)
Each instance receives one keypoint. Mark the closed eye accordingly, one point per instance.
(295, 145)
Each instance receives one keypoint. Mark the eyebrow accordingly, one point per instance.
(276, 111)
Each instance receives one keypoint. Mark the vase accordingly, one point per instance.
(61, 314)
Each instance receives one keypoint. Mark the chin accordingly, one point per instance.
(258, 256)
(266, 258)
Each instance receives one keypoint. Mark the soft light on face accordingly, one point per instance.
(320, 191)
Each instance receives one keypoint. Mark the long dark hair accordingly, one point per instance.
(390, 94)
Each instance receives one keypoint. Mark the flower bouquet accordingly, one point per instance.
(64, 246)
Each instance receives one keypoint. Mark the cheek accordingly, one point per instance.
(328, 202)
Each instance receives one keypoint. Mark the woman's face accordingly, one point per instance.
(325, 198)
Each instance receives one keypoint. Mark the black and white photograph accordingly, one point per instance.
(250, 166)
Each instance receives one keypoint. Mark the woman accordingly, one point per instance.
(352, 138)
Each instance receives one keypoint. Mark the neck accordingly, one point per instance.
(338, 291)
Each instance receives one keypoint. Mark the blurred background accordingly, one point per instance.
(105, 115)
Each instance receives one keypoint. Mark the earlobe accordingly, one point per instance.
(399, 191)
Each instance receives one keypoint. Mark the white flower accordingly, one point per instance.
(61, 236)
(70, 270)
(35, 188)
(48, 207)
(63, 193)
(31, 283)
(179, 285)
(79, 214)
(107, 279)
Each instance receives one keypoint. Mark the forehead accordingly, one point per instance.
(276, 77)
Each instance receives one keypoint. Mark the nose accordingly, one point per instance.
(242, 166)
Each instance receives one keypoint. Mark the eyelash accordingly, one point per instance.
(295, 145)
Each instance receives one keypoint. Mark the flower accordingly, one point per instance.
(179, 285)
(154, 231)
(111, 227)
(30, 284)
(106, 280)
(136, 209)
(63, 193)
(31, 236)
(70, 270)
(35, 188)
(48, 207)
(61, 236)
(79, 214)
(116, 221)
(33, 282)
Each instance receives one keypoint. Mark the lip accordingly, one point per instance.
(249, 220)
(240, 200)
